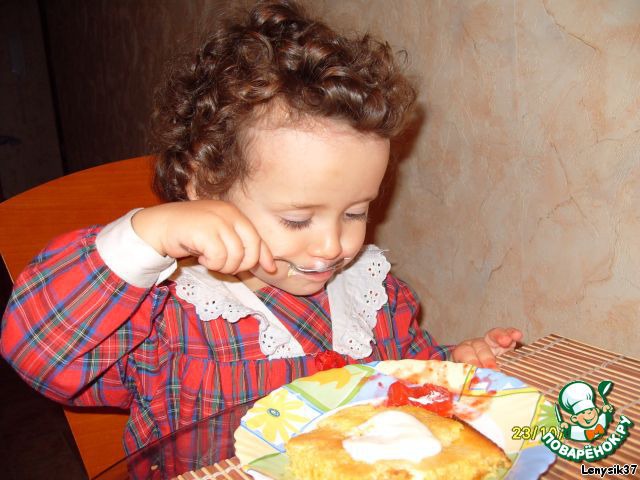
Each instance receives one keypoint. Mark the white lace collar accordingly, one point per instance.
(355, 296)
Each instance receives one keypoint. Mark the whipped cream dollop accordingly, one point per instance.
(391, 435)
(431, 398)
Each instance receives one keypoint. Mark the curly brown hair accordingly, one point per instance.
(277, 53)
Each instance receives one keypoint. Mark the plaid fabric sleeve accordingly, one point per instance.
(415, 342)
(71, 322)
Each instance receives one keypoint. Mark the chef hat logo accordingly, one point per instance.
(576, 397)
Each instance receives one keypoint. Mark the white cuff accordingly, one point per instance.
(130, 257)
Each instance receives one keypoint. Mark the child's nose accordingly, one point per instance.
(327, 244)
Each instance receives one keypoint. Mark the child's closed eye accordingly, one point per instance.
(300, 224)
(295, 224)
(363, 217)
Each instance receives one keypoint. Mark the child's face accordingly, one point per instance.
(308, 196)
(587, 418)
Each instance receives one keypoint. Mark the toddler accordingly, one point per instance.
(273, 142)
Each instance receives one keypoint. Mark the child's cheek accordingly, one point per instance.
(282, 273)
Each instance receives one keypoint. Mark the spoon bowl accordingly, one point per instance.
(300, 269)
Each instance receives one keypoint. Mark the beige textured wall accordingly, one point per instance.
(520, 201)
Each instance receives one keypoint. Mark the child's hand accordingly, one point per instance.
(216, 232)
(482, 352)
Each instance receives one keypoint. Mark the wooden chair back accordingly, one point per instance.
(31, 219)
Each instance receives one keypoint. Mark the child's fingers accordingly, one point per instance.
(496, 336)
(251, 246)
(266, 259)
(235, 250)
(485, 354)
(515, 334)
(511, 338)
(465, 353)
(212, 253)
(503, 337)
(475, 352)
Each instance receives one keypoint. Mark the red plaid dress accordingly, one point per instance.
(82, 336)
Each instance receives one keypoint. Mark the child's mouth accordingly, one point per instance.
(317, 277)
(318, 270)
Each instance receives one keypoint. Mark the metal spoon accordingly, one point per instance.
(299, 269)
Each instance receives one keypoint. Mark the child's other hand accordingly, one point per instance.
(482, 352)
(219, 235)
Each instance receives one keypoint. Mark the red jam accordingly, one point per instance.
(329, 359)
(428, 396)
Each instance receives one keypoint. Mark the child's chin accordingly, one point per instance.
(301, 289)
(297, 285)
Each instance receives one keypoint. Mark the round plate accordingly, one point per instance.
(504, 409)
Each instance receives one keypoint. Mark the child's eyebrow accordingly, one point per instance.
(303, 206)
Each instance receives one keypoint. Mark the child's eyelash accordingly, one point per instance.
(295, 225)
(358, 216)
(300, 224)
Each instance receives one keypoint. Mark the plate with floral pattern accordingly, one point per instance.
(501, 407)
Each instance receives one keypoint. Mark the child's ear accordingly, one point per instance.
(574, 418)
(191, 191)
(191, 188)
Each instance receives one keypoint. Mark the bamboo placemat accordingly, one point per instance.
(553, 361)
(224, 470)
(547, 364)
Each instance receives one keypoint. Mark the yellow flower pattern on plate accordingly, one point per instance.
(277, 416)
